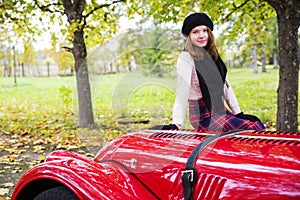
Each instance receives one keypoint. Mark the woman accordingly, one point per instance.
(203, 84)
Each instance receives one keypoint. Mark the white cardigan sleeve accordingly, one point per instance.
(184, 73)
(231, 99)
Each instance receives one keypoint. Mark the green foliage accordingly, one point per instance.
(153, 49)
(20, 17)
(249, 24)
(64, 58)
(65, 94)
(244, 23)
(162, 11)
(28, 18)
(272, 40)
(248, 18)
(154, 58)
(29, 53)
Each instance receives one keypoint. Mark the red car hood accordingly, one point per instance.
(261, 165)
(149, 164)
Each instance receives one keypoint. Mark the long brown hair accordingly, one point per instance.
(210, 47)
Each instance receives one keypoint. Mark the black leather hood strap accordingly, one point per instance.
(189, 174)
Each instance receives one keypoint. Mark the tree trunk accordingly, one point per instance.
(22, 69)
(289, 75)
(48, 69)
(275, 59)
(86, 117)
(263, 60)
(129, 65)
(5, 73)
(288, 23)
(254, 60)
(110, 68)
(74, 10)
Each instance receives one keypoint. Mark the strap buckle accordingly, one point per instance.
(191, 175)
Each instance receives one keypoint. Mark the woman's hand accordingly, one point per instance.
(251, 118)
(164, 127)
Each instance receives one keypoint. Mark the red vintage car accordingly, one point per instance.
(156, 164)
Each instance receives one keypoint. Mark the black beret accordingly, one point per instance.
(196, 19)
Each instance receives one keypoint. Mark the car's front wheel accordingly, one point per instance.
(57, 193)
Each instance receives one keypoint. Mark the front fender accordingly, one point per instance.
(85, 178)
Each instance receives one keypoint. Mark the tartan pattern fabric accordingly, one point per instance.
(200, 118)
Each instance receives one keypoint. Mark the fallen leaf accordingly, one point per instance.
(16, 171)
(7, 185)
(2, 197)
(25, 157)
(39, 149)
(38, 142)
(42, 158)
(4, 191)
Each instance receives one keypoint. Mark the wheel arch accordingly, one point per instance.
(86, 181)
(35, 187)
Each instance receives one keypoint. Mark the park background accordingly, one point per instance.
(131, 54)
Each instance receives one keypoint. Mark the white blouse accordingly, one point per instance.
(188, 89)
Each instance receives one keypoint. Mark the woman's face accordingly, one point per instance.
(199, 36)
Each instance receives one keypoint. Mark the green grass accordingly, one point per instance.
(256, 93)
(46, 106)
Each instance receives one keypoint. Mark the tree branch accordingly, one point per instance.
(68, 49)
(97, 8)
(16, 20)
(235, 9)
(46, 8)
(102, 6)
(278, 5)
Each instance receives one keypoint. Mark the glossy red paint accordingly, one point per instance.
(149, 164)
(86, 178)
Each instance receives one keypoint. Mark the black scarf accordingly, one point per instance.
(212, 76)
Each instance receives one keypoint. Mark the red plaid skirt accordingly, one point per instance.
(202, 119)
